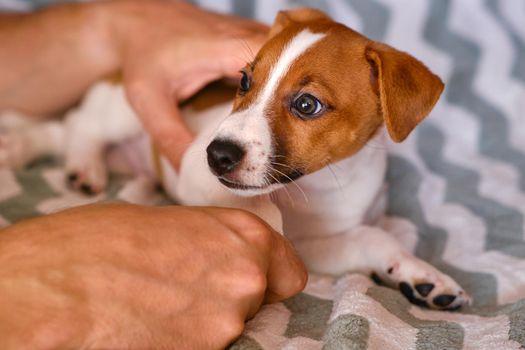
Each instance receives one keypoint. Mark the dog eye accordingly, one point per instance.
(307, 105)
(245, 83)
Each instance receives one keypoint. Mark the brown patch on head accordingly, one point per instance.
(213, 94)
(299, 15)
(339, 77)
(361, 84)
(114, 78)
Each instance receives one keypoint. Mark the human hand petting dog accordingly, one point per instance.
(174, 52)
(124, 276)
(166, 50)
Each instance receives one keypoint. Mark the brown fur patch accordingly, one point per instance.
(361, 84)
(114, 78)
(213, 94)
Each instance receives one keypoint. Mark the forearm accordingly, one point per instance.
(49, 58)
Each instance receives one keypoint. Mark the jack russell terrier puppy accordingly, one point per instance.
(317, 93)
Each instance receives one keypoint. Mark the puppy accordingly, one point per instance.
(315, 95)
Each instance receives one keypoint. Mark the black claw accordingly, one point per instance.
(376, 279)
(86, 189)
(454, 308)
(72, 177)
(424, 289)
(408, 292)
(444, 300)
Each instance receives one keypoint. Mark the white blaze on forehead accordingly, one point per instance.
(250, 127)
(295, 48)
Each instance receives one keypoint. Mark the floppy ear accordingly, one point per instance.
(407, 89)
(298, 15)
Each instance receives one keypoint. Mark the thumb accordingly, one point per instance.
(161, 117)
(287, 274)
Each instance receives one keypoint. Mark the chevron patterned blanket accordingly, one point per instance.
(456, 187)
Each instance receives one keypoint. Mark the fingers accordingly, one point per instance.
(160, 115)
(286, 273)
(240, 51)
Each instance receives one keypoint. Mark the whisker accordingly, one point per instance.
(295, 183)
(247, 50)
(279, 182)
(336, 179)
(370, 145)
(376, 145)
(273, 194)
(336, 166)
(250, 51)
(281, 164)
(247, 62)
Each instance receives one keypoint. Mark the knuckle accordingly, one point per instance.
(232, 328)
(245, 217)
(255, 283)
(262, 237)
(258, 233)
(250, 280)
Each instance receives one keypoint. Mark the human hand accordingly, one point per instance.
(169, 51)
(124, 276)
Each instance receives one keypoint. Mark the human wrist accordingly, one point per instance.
(125, 21)
(100, 43)
(33, 311)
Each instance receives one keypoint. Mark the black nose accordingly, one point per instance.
(223, 156)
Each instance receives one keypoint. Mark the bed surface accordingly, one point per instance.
(456, 188)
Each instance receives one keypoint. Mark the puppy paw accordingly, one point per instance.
(424, 285)
(14, 150)
(89, 178)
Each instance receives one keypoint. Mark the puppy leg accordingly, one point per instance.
(23, 140)
(85, 165)
(371, 250)
(104, 118)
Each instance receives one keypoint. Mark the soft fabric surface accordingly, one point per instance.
(456, 187)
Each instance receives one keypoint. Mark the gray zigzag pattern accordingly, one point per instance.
(504, 224)
(431, 335)
(244, 8)
(319, 4)
(465, 54)
(36, 4)
(347, 332)
(247, 9)
(518, 69)
(404, 182)
(375, 17)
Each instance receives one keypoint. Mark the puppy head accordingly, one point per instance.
(316, 93)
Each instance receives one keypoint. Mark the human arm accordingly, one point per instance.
(50, 57)
(123, 276)
(166, 51)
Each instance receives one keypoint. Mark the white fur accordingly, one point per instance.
(250, 128)
(20, 142)
(104, 118)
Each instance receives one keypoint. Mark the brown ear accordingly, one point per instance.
(298, 15)
(407, 89)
